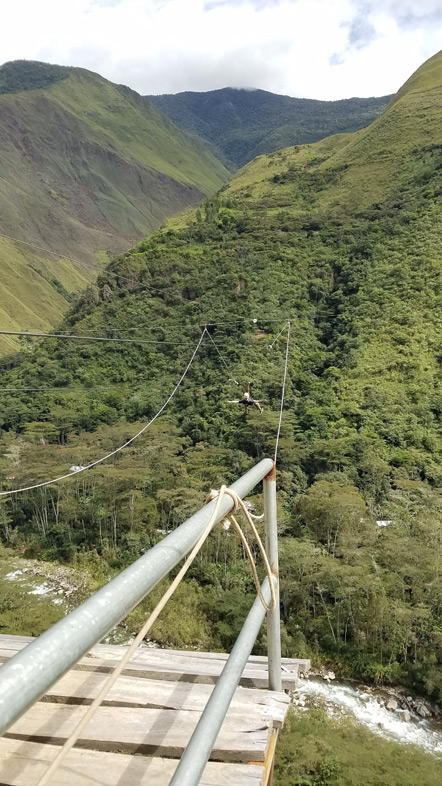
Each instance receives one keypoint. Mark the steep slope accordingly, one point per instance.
(352, 253)
(241, 124)
(85, 167)
(397, 153)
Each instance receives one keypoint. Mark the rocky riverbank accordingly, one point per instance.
(391, 713)
(49, 579)
(395, 699)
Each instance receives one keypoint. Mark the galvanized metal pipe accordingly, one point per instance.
(273, 617)
(197, 753)
(30, 673)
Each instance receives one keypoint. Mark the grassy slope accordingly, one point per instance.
(319, 751)
(85, 166)
(241, 124)
(375, 158)
(144, 134)
(29, 295)
(384, 164)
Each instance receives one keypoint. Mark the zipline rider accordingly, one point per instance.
(248, 401)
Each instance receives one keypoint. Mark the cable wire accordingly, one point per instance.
(276, 339)
(283, 389)
(117, 450)
(59, 389)
(193, 325)
(82, 337)
(222, 359)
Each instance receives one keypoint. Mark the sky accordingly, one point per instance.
(324, 49)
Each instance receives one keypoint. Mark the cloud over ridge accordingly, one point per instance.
(306, 48)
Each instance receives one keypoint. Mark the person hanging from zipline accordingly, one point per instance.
(248, 401)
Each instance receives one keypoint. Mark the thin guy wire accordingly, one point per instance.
(80, 337)
(276, 339)
(48, 251)
(62, 390)
(222, 359)
(117, 450)
(283, 389)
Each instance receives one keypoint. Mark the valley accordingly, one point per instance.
(239, 125)
(87, 168)
(341, 238)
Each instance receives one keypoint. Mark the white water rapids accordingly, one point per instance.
(367, 711)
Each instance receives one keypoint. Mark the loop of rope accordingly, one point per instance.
(73, 737)
(248, 551)
(230, 519)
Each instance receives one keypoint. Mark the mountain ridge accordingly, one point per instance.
(87, 167)
(241, 123)
(344, 238)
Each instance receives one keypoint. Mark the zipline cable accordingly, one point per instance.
(181, 325)
(193, 325)
(222, 359)
(276, 339)
(82, 337)
(283, 389)
(117, 450)
(59, 389)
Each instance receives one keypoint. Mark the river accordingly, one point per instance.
(365, 707)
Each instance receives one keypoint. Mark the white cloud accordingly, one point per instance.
(313, 48)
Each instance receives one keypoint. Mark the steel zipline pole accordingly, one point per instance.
(30, 673)
(197, 753)
(273, 617)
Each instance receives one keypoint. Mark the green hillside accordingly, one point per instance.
(344, 237)
(86, 167)
(242, 124)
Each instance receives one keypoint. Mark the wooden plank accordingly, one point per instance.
(302, 663)
(7, 640)
(200, 673)
(118, 650)
(80, 687)
(23, 764)
(148, 731)
(206, 672)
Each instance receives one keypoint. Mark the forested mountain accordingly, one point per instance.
(342, 237)
(86, 167)
(242, 124)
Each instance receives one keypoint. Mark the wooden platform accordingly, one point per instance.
(151, 711)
